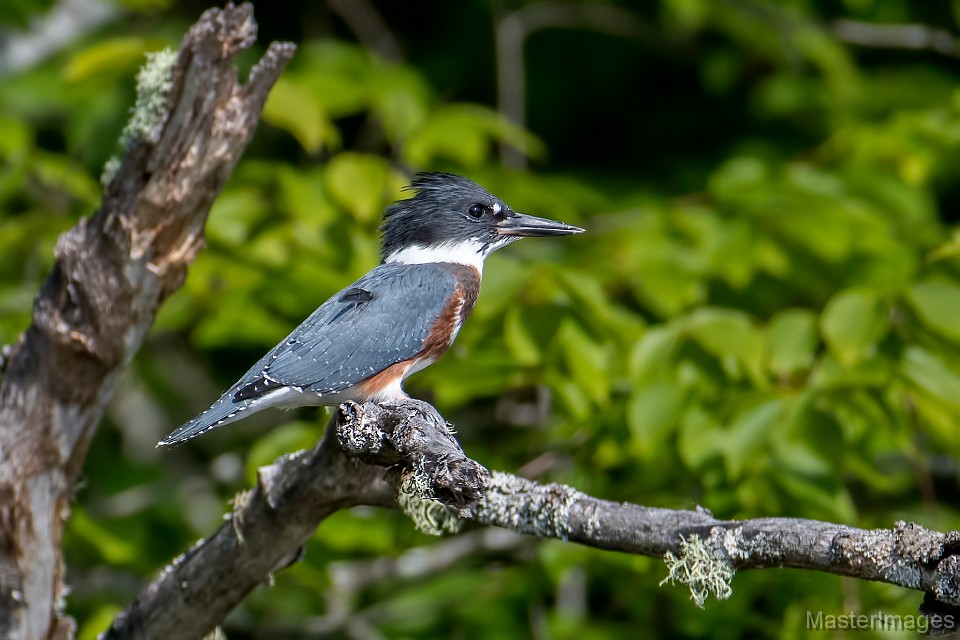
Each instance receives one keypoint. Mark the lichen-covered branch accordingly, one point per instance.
(907, 555)
(113, 270)
(264, 534)
(270, 524)
(425, 465)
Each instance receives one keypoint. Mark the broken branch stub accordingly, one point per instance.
(411, 439)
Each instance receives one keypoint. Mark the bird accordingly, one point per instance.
(397, 319)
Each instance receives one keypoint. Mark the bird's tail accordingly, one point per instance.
(224, 411)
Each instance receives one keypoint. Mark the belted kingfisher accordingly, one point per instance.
(394, 321)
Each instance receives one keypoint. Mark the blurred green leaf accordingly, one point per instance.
(829, 372)
(737, 176)
(522, 345)
(356, 531)
(110, 58)
(701, 438)
(852, 324)
(57, 173)
(15, 137)
(337, 74)
(295, 110)
(932, 375)
(791, 341)
(358, 182)
(937, 302)
(650, 357)
(587, 360)
(465, 134)
(652, 412)
(948, 249)
(729, 335)
(748, 430)
(818, 498)
(234, 215)
(401, 99)
(114, 549)
(145, 5)
(224, 328)
(303, 197)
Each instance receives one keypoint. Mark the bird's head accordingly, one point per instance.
(453, 219)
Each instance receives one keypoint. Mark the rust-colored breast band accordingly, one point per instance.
(380, 381)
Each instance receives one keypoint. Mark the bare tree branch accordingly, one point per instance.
(113, 271)
(917, 37)
(511, 34)
(65, 23)
(349, 578)
(412, 441)
(368, 25)
(270, 524)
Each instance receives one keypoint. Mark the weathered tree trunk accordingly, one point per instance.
(112, 272)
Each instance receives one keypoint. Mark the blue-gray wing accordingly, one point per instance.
(382, 319)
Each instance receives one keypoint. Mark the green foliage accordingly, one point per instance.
(19, 12)
(766, 327)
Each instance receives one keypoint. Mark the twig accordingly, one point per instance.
(350, 578)
(514, 28)
(65, 23)
(917, 37)
(368, 25)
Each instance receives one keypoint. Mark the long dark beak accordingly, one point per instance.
(520, 224)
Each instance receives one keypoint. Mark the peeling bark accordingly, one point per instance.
(112, 272)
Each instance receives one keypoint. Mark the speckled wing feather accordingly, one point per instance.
(380, 320)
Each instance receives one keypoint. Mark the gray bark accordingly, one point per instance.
(379, 454)
(112, 272)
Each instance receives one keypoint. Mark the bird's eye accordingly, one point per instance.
(476, 211)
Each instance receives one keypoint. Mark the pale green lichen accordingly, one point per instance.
(154, 82)
(110, 169)
(526, 507)
(216, 634)
(428, 515)
(703, 572)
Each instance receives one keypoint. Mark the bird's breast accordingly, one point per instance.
(455, 312)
